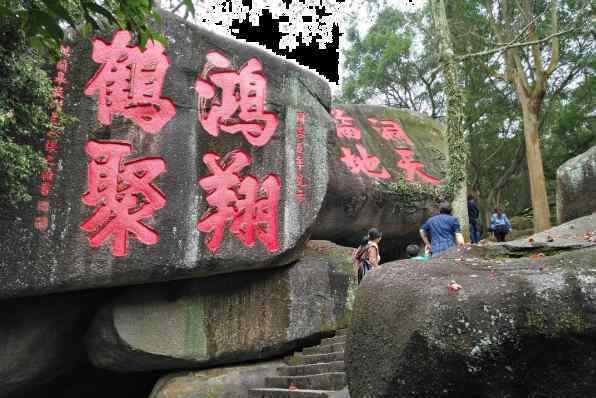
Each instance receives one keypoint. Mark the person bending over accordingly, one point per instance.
(442, 231)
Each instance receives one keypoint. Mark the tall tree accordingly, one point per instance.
(458, 152)
(528, 67)
(494, 102)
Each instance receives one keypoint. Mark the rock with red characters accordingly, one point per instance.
(188, 158)
(385, 167)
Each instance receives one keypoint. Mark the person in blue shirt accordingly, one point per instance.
(442, 231)
(499, 224)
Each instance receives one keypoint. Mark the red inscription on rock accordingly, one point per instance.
(249, 210)
(344, 125)
(299, 155)
(129, 82)
(41, 223)
(51, 143)
(233, 101)
(390, 130)
(412, 167)
(363, 162)
(123, 193)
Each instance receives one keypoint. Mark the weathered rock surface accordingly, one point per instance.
(574, 234)
(372, 147)
(324, 379)
(228, 318)
(227, 382)
(40, 338)
(518, 327)
(61, 257)
(576, 186)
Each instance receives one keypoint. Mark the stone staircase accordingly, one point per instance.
(318, 372)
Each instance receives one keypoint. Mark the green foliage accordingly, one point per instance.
(43, 22)
(387, 64)
(24, 101)
(410, 193)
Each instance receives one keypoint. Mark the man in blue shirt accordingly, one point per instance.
(443, 230)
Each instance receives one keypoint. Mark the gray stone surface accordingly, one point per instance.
(41, 338)
(574, 234)
(227, 382)
(576, 186)
(61, 258)
(228, 318)
(357, 201)
(518, 327)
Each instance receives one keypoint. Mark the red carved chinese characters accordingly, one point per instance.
(390, 130)
(299, 156)
(234, 101)
(51, 144)
(363, 163)
(250, 211)
(123, 193)
(129, 82)
(345, 127)
(412, 167)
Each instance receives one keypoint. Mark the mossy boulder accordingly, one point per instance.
(387, 169)
(225, 319)
(517, 327)
(576, 186)
(520, 223)
(225, 382)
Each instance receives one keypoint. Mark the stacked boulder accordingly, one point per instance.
(576, 186)
(226, 319)
(514, 320)
(199, 166)
(387, 168)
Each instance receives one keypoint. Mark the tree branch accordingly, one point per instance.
(554, 58)
(515, 45)
(178, 6)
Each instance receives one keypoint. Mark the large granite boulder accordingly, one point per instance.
(477, 322)
(41, 338)
(198, 157)
(576, 186)
(227, 382)
(226, 318)
(387, 168)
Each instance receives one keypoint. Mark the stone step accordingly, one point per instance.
(301, 359)
(341, 332)
(304, 370)
(333, 340)
(323, 381)
(285, 393)
(324, 349)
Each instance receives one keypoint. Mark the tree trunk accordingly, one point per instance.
(457, 148)
(535, 166)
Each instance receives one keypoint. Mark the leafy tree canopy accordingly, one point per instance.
(43, 22)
